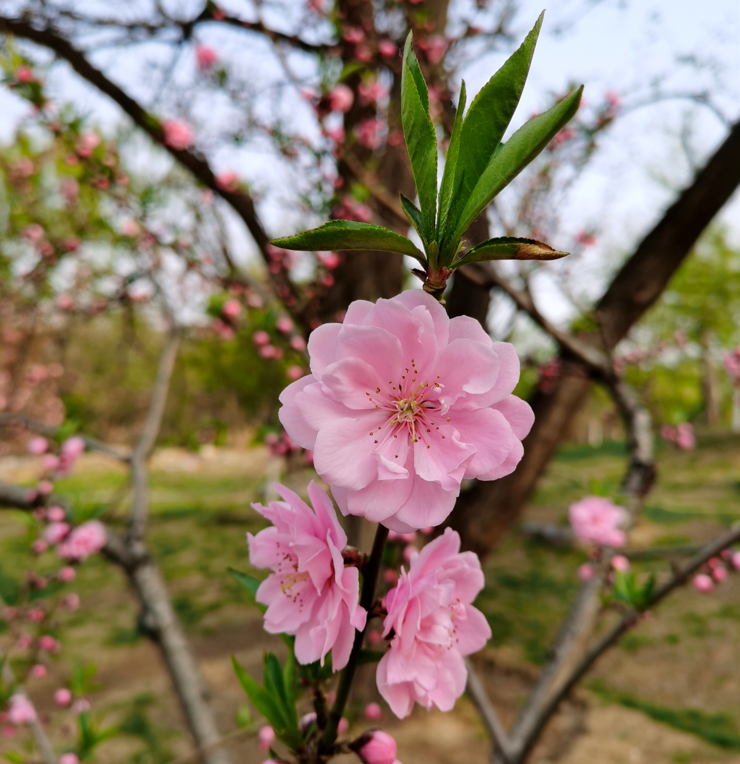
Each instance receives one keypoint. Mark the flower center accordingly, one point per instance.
(407, 410)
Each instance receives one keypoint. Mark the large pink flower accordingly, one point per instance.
(310, 593)
(597, 520)
(434, 626)
(402, 404)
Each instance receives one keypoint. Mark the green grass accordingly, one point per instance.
(717, 729)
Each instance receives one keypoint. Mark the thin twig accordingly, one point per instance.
(488, 714)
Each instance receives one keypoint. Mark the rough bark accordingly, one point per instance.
(487, 510)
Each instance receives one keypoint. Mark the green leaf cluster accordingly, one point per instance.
(628, 590)
(478, 166)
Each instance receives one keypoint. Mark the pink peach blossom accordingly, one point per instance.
(266, 737)
(735, 560)
(24, 74)
(402, 404)
(20, 710)
(88, 143)
(435, 48)
(55, 515)
(36, 615)
(231, 308)
(228, 181)
(719, 574)
(370, 92)
(353, 35)
(373, 712)
(69, 758)
(71, 601)
(685, 438)
(73, 447)
(341, 98)
(38, 671)
(37, 446)
(387, 48)
(343, 726)
(178, 135)
(297, 343)
(206, 57)
(434, 626)
(81, 706)
(620, 563)
(56, 533)
(368, 133)
(85, 540)
(703, 583)
(294, 372)
(44, 487)
(376, 747)
(49, 644)
(63, 697)
(284, 325)
(39, 546)
(597, 520)
(310, 593)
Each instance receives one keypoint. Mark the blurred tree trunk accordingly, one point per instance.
(486, 511)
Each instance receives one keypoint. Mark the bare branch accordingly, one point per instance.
(142, 450)
(36, 425)
(488, 714)
(240, 201)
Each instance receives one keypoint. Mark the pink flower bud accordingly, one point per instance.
(387, 48)
(390, 577)
(55, 514)
(307, 720)
(177, 134)
(719, 574)
(73, 447)
(284, 325)
(374, 638)
(24, 642)
(38, 671)
(585, 572)
(69, 758)
(266, 737)
(36, 615)
(703, 583)
(735, 560)
(63, 697)
(24, 74)
(37, 446)
(50, 462)
(206, 57)
(341, 98)
(10, 613)
(376, 747)
(49, 644)
(261, 338)
(228, 181)
(620, 563)
(44, 487)
(21, 710)
(343, 726)
(67, 574)
(39, 546)
(298, 343)
(408, 552)
(71, 601)
(373, 712)
(56, 533)
(231, 308)
(294, 372)
(81, 706)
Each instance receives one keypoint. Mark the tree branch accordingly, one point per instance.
(488, 714)
(240, 201)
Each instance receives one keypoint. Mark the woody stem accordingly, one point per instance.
(370, 579)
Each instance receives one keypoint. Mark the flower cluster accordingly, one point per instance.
(433, 626)
(402, 404)
(311, 592)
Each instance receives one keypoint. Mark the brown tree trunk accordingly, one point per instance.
(485, 512)
(709, 383)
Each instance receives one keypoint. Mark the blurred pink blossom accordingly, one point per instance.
(88, 143)
(341, 98)
(24, 74)
(69, 758)
(371, 91)
(67, 574)
(206, 57)
(56, 533)
(685, 437)
(63, 697)
(373, 712)
(298, 343)
(55, 514)
(598, 520)
(387, 48)
(37, 446)
(49, 644)
(266, 737)
(228, 181)
(231, 309)
(71, 601)
(85, 540)
(294, 372)
(703, 583)
(20, 710)
(586, 572)
(178, 134)
(376, 747)
(368, 133)
(38, 671)
(620, 563)
(353, 35)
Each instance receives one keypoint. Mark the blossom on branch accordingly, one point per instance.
(85, 540)
(597, 520)
(402, 404)
(310, 593)
(434, 625)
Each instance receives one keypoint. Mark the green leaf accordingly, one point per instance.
(519, 151)
(275, 685)
(243, 716)
(289, 677)
(250, 585)
(421, 140)
(414, 215)
(347, 235)
(508, 248)
(489, 116)
(14, 758)
(261, 700)
(450, 172)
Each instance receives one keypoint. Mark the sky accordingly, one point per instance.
(626, 46)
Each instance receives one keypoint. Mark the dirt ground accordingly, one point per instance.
(659, 698)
